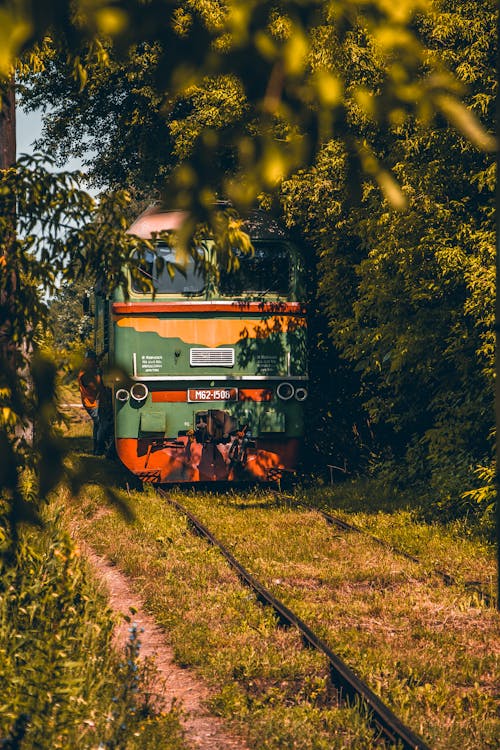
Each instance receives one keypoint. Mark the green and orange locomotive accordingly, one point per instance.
(217, 367)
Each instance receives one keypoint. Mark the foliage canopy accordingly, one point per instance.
(269, 117)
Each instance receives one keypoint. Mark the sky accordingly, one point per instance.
(28, 129)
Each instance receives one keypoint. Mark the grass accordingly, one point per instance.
(68, 390)
(452, 547)
(62, 684)
(263, 679)
(429, 650)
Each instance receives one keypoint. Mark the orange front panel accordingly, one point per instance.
(210, 332)
(171, 396)
(192, 462)
(244, 394)
(255, 394)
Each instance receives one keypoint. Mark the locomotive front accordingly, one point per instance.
(217, 367)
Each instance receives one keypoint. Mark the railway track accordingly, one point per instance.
(472, 586)
(342, 677)
(448, 579)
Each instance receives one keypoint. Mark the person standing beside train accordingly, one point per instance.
(91, 390)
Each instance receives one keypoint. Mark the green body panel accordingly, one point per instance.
(262, 349)
(168, 419)
(152, 421)
(280, 354)
(272, 420)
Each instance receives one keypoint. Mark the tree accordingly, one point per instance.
(409, 296)
(289, 100)
(60, 234)
(114, 122)
(363, 73)
(67, 325)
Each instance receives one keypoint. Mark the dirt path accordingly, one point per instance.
(203, 730)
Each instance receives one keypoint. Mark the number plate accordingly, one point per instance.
(212, 394)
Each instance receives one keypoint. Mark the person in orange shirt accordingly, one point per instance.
(91, 388)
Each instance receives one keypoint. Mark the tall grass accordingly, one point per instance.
(61, 683)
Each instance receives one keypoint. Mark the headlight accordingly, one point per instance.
(285, 391)
(122, 395)
(139, 392)
(301, 394)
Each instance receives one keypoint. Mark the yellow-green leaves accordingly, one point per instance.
(486, 494)
(385, 180)
(8, 417)
(404, 10)
(293, 65)
(15, 29)
(111, 21)
(80, 73)
(101, 17)
(465, 121)
(274, 167)
(181, 21)
(329, 89)
(296, 51)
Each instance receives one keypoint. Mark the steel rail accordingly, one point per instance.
(341, 675)
(448, 579)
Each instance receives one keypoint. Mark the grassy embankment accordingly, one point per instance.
(62, 684)
(429, 650)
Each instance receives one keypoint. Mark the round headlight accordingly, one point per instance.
(285, 391)
(301, 394)
(139, 392)
(122, 395)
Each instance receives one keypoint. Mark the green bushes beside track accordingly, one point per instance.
(61, 683)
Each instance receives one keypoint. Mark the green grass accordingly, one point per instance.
(68, 390)
(429, 650)
(62, 685)
(453, 547)
(263, 679)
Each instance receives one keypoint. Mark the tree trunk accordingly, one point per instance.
(8, 127)
(8, 281)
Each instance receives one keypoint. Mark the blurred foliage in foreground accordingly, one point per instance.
(229, 98)
(59, 237)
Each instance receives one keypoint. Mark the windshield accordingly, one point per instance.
(266, 271)
(187, 278)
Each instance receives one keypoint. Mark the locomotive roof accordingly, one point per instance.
(156, 219)
(259, 225)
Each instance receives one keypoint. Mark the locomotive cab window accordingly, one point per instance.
(267, 271)
(188, 278)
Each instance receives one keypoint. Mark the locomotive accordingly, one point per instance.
(216, 364)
